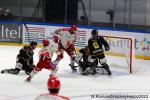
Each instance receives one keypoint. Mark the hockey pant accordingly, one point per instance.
(23, 65)
(45, 64)
(70, 51)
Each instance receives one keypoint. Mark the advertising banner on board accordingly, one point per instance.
(11, 33)
(119, 46)
(40, 32)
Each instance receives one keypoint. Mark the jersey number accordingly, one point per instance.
(95, 44)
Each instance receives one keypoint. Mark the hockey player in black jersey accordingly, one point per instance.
(96, 44)
(24, 60)
(82, 60)
(85, 66)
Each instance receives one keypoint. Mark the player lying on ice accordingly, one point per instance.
(45, 59)
(92, 55)
(24, 60)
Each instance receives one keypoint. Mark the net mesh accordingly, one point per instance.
(122, 50)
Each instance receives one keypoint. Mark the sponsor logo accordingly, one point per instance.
(124, 43)
(143, 44)
(34, 34)
(10, 33)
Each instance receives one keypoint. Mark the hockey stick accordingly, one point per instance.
(27, 32)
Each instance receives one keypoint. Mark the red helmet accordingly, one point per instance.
(53, 83)
(45, 42)
(74, 27)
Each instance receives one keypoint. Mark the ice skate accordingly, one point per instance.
(6, 71)
(73, 68)
(28, 79)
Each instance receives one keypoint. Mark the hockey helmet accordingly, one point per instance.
(94, 32)
(74, 27)
(53, 83)
(33, 43)
(45, 42)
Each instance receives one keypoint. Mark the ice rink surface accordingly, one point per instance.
(121, 86)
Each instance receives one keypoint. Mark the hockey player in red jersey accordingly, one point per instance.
(45, 59)
(66, 38)
(53, 85)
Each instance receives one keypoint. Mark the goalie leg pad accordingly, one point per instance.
(106, 67)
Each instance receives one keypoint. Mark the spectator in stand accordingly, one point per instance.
(8, 14)
(110, 12)
(53, 85)
(1, 13)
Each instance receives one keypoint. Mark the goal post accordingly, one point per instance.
(122, 47)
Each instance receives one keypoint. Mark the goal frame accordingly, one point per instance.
(130, 51)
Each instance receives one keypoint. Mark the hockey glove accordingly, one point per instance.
(52, 65)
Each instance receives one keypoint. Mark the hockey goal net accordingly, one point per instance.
(121, 53)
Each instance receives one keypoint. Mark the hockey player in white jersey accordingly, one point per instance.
(45, 59)
(53, 85)
(66, 38)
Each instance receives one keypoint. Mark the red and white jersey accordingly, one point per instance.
(66, 38)
(51, 97)
(48, 51)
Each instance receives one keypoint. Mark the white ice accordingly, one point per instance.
(74, 85)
